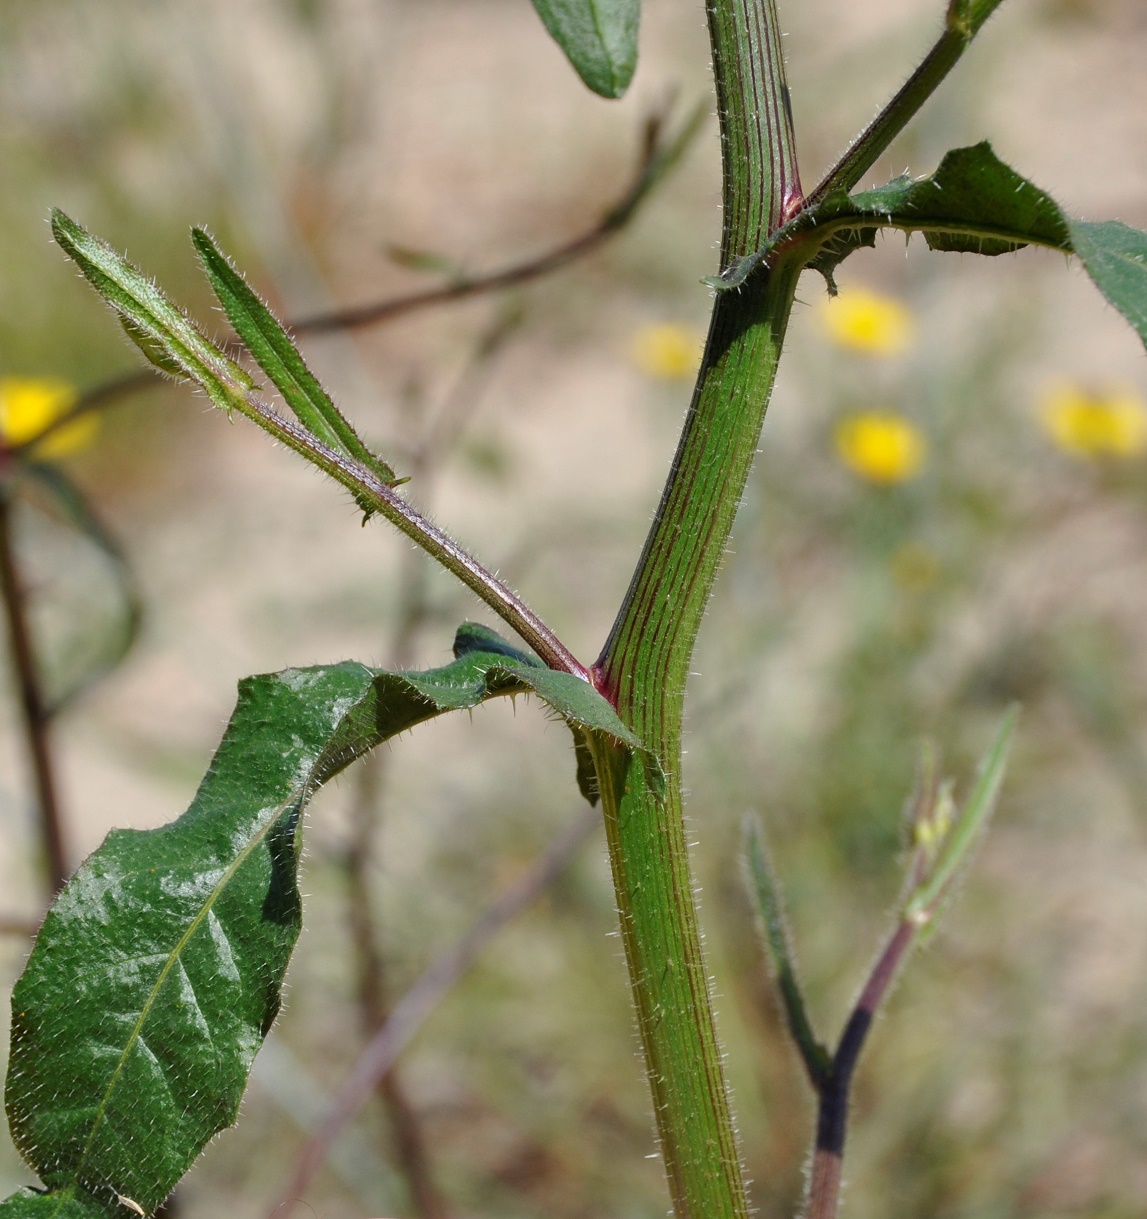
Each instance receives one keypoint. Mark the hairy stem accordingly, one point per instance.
(964, 19)
(644, 664)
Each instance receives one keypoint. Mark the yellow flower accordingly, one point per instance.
(881, 447)
(666, 351)
(867, 322)
(29, 404)
(1112, 424)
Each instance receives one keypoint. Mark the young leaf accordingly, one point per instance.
(164, 334)
(599, 38)
(765, 890)
(925, 900)
(278, 357)
(158, 971)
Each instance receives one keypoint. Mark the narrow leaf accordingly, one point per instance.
(164, 333)
(277, 356)
(158, 971)
(766, 893)
(599, 38)
(924, 902)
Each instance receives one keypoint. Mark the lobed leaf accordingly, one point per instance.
(599, 38)
(159, 968)
(973, 203)
(976, 204)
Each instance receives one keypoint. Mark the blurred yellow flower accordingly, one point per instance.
(1113, 424)
(881, 447)
(666, 351)
(867, 322)
(29, 404)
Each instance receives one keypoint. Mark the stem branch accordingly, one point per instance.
(960, 28)
(834, 1088)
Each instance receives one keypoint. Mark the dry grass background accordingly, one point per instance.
(1010, 1075)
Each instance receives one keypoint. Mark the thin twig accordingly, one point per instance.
(658, 157)
(833, 1090)
(410, 1013)
(438, 439)
(34, 705)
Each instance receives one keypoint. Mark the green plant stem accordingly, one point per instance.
(368, 488)
(960, 27)
(37, 716)
(644, 665)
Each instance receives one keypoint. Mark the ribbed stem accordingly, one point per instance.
(645, 662)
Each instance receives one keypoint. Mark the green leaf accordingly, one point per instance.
(158, 970)
(598, 36)
(1116, 259)
(27, 1204)
(164, 334)
(976, 204)
(973, 203)
(924, 901)
(277, 356)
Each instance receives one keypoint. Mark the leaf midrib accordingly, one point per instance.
(293, 798)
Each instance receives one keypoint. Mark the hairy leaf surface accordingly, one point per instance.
(66, 1204)
(972, 204)
(277, 356)
(158, 971)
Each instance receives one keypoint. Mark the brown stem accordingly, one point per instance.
(411, 1012)
(411, 1152)
(37, 717)
(834, 1087)
(659, 155)
(410, 1148)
